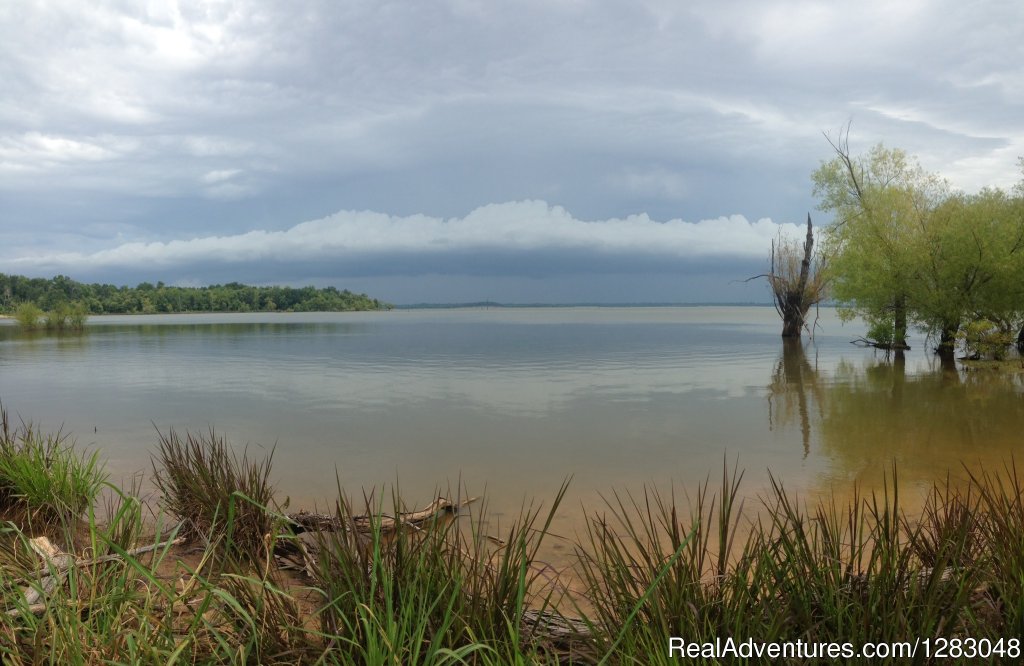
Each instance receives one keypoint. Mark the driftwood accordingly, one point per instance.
(556, 627)
(318, 522)
(58, 563)
(300, 552)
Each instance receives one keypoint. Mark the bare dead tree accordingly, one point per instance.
(798, 280)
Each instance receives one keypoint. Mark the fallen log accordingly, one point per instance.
(318, 522)
(300, 550)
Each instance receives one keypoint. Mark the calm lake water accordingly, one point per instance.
(513, 401)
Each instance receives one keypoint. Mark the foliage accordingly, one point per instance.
(855, 573)
(51, 294)
(880, 201)
(906, 250)
(28, 316)
(985, 339)
(42, 477)
(63, 317)
(441, 593)
(216, 493)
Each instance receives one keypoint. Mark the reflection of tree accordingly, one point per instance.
(863, 417)
(788, 399)
(928, 424)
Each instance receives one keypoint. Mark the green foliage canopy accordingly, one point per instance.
(61, 291)
(905, 249)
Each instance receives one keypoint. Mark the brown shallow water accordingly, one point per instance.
(510, 402)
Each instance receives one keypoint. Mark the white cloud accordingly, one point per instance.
(37, 151)
(220, 175)
(525, 227)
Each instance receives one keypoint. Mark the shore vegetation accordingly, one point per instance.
(63, 296)
(219, 573)
(907, 250)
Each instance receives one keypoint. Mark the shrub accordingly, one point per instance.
(77, 316)
(57, 318)
(28, 316)
(985, 339)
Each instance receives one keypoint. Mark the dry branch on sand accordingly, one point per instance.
(56, 565)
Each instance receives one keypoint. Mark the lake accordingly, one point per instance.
(512, 401)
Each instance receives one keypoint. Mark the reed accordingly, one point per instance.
(216, 494)
(42, 476)
(827, 573)
(453, 589)
(441, 593)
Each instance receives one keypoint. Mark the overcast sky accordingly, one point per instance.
(533, 151)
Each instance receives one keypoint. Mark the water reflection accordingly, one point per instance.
(516, 399)
(862, 416)
(794, 391)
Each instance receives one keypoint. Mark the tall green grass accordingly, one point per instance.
(858, 572)
(452, 590)
(42, 476)
(216, 493)
(438, 593)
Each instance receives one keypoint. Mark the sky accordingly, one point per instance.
(539, 151)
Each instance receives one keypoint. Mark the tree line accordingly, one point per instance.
(146, 298)
(906, 250)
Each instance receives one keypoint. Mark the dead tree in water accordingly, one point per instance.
(794, 284)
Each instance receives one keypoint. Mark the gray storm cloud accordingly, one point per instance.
(186, 138)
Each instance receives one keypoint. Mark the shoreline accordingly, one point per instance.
(646, 568)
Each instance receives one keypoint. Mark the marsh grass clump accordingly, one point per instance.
(652, 569)
(446, 585)
(857, 572)
(217, 494)
(438, 593)
(89, 609)
(1001, 526)
(43, 477)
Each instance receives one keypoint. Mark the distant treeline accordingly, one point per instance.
(147, 298)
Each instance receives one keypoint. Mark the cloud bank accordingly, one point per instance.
(495, 239)
(160, 135)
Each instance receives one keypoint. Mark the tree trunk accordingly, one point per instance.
(947, 342)
(900, 321)
(796, 304)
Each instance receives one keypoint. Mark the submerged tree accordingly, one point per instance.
(882, 204)
(907, 250)
(798, 280)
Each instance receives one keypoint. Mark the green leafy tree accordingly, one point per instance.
(906, 250)
(57, 294)
(974, 266)
(881, 202)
